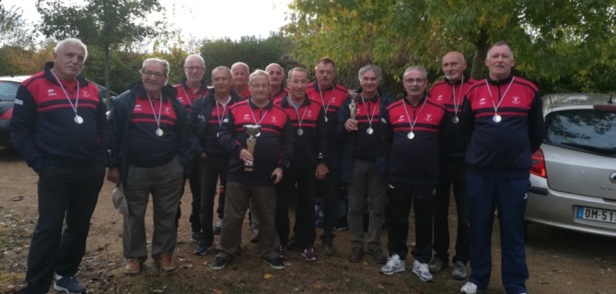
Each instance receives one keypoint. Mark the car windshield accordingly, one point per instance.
(583, 129)
(8, 90)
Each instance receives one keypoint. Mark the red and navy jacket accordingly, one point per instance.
(281, 94)
(359, 144)
(274, 146)
(311, 146)
(203, 120)
(331, 100)
(503, 149)
(416, 160)
(186, 94)
(43, 126)
(453, 139)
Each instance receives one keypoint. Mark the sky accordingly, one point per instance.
(212, 19)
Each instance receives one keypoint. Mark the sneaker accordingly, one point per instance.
(68, 284)
(328, 247)
(218, 263)
(165, 263)
(310, 254)
(217, 227)
(132, 267)
(422, 271)
(283, 252)
(202, 249)
(436, 265)
(469, 288)
(197, 236)
(293, 245)
(393, 266)
(275, 263)
(356, 254)
(459, 271)
(377, 255)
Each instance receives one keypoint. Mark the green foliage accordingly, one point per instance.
(14, 28)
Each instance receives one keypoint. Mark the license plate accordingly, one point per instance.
(596, 214)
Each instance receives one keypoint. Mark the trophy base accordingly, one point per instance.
(249, 169)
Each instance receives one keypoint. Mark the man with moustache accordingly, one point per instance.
(308, 165)
(205, 118)
(254, 175)
(363, 167)
(190, 89)
(149, 154)
(57, 126)
(276, 74)
(240, 71)
(331, 96)
(450, 92)
(410, 138)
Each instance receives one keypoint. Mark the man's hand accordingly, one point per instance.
(350, 125)
(202, 155)
(277, 175)
(245, 156)
(113, 175)
(321, 171)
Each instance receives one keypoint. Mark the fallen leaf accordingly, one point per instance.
(267, 276)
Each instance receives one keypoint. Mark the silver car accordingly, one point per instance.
(573, 178)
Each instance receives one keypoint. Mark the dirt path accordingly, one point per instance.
(559, 261)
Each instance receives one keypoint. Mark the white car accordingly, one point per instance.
(573, 178)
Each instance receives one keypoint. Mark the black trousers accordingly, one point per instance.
(64, 194)
(401, 198)
(304, 211)
(331, 196)
(195, 190)
(451, 175)
(211, 168)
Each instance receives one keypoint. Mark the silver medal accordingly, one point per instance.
(496, 118)
(326, 119)
(370, 131)
(159, 132)
(218, 135)
(455, 119)
(410, 135)
(78, 119)
(300, 132)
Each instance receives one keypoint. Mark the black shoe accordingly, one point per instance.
(68, 285)
(197, 236)
(356, 254)
(218, 263)
(377, 255)
(217, 227)
(328, 247)
(275, 263)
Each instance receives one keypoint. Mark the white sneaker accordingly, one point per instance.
(393, 266)
(469, 288)
(422, 271)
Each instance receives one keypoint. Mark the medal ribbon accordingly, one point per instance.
(500, 99)
(73, 106)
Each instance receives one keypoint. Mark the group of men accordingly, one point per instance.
(255, 142)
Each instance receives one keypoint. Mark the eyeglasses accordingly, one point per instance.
(417, 80)
(156, 74)
(194, 68)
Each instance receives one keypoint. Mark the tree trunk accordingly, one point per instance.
(481, 51)
(107, 76)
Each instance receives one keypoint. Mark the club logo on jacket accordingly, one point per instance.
(85, 94)
(482, 101)
(401, 118)
(181, 99)
(274, 119)
(439, 98)
(429, 117)
(246, 116)
(51, 93)
(137, 107)
(167, 110)
(309, 113)
(515, 100)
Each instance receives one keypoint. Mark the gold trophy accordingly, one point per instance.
(253, 132)
(353, 106)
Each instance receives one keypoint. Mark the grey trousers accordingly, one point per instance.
(366, 186)
(236, 203)
(164, 183)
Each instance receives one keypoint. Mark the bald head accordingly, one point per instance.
(454, 66)
(276, 74)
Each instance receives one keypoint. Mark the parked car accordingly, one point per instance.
(8, 91)
(573, 177)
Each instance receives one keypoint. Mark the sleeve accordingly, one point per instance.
(22, 127)
(343, 115)
(322, 136)
(227, 136)
(536, 124)
(101, 123)
(186, 140)
(115, 130)
(386, 137)
(467, 116)
(196, 124)
(288, 144)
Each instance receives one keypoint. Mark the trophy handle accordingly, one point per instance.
(353, 106)
(250, 146)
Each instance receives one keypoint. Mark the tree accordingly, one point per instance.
(551, 39)
(106, 24)
(14, 28)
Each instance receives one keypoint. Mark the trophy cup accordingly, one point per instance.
(253, 132)
(353, 106)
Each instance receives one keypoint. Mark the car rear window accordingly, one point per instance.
(8, 90)
(587, 130)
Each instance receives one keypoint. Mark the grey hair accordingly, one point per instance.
(222, 68)
(371, 67)
(416, 68)
(258, 72)
(272, 65)
(71, 41)
(235, 65)
(500, 43)
(197, 56)
(165, 64)
(300, 69)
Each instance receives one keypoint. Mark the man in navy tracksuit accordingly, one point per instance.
(503, 116)
(308, 164)
(58, 125)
